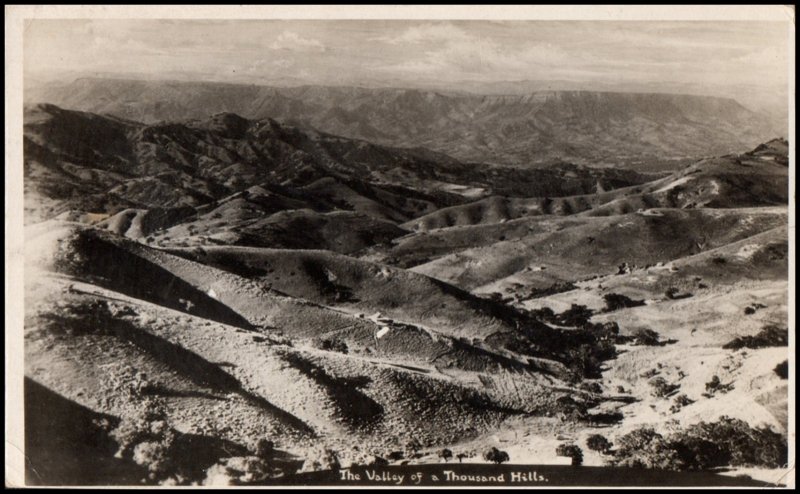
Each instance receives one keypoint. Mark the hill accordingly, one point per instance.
(104, 165)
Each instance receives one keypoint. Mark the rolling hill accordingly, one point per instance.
(104, 165)
(224, 294)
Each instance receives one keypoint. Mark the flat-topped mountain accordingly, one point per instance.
(645, 130)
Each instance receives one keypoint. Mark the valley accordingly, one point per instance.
(236, 293)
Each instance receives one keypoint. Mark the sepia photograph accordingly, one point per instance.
(400, 246)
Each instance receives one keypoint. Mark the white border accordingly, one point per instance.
(14, 25)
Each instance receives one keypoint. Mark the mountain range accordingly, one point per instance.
(646, 131)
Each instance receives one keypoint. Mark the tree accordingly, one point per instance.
(571, 451)
(596, 442)
(661, 388)
(646, 337)
(645, 448)
(264, 448)
(575, 316)
(446, 454)
(496, 456)
(782, 369)
(616, 301)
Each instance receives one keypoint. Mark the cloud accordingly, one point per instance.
(442, 33)
(289, 40)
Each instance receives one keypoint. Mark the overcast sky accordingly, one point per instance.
(402, 52)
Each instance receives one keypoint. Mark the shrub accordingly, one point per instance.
(661, 388)
(558, 287)
(645, 448)
(544, 314)
(649, 373)
(592, 387)
(584, 362)
(496, 456)
(782, 369)
(264, 448)
(714, 386)
(331, 345)
(575, 316)
(673, 294)
(769, 336)
(680, 401)
(739, 444)
(596, 442)
(646, 337)
(616, 301)
(571, 451)
(702, 446)
(445, 454)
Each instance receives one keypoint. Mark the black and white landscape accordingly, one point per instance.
(256, 250)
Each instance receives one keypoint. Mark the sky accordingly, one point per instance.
(406, 53)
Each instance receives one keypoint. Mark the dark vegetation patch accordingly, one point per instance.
(644, 337)
(716, 386)
(782, 369)
(662, 388)
(769, 336)
(674, 293)
(752, 308)
(727, 442)
(617, 301)
(571, 451)
(557, 287)
(332, 344)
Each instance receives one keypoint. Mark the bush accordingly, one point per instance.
(661, 388)
(714, 386)
(616, 301)
(645, 448)
(592, 387)
(571, 451)
(782, 369)
(739, 444)
(496, 456)
(646, 337)
(680, 401)
(264, 448)
(769, 336)
(702, 446)
(331, 345)
(596, 442)
(672, 294)
(576, 316)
